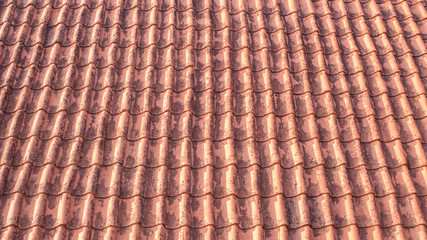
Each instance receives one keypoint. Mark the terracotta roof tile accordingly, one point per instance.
(213, 119)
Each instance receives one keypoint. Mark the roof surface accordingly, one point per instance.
(213, 119)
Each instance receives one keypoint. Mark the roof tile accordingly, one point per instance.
(213, 119)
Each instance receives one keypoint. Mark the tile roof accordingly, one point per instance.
(213, 119)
